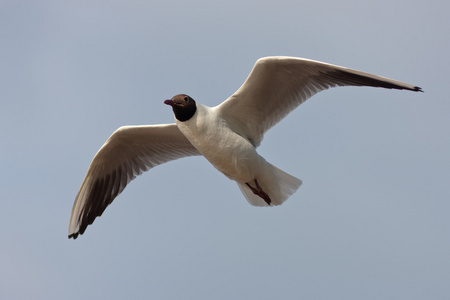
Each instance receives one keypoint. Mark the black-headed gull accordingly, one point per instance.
(226, 135)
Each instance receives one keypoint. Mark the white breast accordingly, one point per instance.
(227, 151)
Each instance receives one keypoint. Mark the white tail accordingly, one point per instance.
(279, 186)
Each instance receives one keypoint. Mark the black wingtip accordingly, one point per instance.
(418, 89)
(73, 236)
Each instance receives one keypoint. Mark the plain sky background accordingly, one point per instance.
(371, 220)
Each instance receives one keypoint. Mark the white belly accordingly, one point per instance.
(227, 151)
(235, 157)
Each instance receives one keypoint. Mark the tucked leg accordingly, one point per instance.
(259, 192)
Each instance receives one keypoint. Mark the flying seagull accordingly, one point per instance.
(227, 135)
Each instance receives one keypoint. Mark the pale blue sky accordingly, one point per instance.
(371, 220)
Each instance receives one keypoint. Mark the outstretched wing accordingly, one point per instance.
(130, 151)
(277, 85)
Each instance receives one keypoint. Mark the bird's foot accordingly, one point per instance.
(259, 192)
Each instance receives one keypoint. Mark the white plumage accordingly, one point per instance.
(227, 135)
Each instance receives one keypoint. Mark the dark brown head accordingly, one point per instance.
(183, 106)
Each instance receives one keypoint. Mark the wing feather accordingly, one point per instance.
(277, 85)
(130, 151)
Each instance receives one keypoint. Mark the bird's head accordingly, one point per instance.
(183, 106)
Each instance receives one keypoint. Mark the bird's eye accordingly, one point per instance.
(186, 99)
